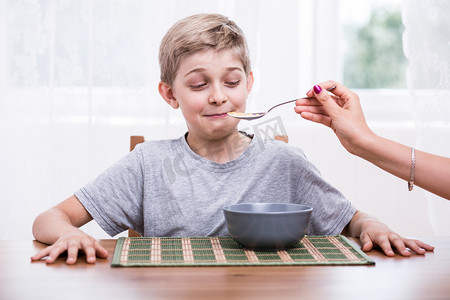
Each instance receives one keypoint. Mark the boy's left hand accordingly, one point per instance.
(375, 233)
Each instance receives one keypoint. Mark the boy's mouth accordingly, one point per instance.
(216, 116)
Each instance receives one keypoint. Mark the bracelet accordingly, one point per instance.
(411, 172)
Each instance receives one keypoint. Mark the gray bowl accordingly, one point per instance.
(267, 225)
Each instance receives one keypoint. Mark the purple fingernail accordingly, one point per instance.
(317, 89)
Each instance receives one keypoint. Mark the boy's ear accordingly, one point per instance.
(249, 82)
(167, 93)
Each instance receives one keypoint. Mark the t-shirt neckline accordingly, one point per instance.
(201, 161)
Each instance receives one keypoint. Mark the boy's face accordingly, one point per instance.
(208, 85)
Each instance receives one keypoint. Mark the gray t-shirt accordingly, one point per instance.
(163, 188)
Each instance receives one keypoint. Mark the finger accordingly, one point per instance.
(317, 118)
(424, 245)
(72, 254)
(90, 255)
(385, 245)
(366, 242)
(338, 90)
(54, 254)
(41, 254)
(307, 102)
(399, 245)
(418, 246)
(89, 250)
(330, 106)
(329, 85)
(311, 109)
(414, 247)
(101, 252)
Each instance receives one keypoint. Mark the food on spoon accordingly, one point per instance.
(240, 114)
(234, 113)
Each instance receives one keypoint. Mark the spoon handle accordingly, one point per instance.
(330, 89)
(283, 103)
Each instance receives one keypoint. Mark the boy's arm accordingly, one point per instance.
(59, 226)
(372, 232)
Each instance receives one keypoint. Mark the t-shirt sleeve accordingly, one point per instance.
(114, 198)
(331, 210)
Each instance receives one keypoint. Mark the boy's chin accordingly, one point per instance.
(222, 133)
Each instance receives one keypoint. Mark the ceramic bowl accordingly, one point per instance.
(267, 225)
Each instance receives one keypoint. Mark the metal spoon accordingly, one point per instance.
(253, 116)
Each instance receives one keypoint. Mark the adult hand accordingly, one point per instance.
(341, 112)
(73, 242)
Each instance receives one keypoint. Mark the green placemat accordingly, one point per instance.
(224, 251)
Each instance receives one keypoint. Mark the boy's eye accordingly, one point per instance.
(198, 86)
(233, 83)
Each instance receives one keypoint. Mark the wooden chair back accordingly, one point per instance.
(134, 140)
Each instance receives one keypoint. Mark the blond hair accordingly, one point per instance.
(199, 33)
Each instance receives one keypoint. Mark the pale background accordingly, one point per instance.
(77, 78)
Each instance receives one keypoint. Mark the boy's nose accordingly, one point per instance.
(218, 97)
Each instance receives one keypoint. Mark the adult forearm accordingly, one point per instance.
(432, 172)
(386, 154)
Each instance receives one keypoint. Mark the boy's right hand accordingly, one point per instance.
(73, 242)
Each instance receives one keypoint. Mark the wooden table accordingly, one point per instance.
(416, 277)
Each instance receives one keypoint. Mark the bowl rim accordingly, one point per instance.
(302, 208)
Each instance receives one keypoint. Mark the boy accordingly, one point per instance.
(205, 71)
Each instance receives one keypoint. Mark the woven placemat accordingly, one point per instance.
(224, 251)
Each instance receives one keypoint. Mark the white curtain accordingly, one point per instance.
(427, 47)
(78, 77)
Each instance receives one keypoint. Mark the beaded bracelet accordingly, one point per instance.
(411, 172)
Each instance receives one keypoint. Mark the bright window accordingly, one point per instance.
(372, 50)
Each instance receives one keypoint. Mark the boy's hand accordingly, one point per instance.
(72, 242)
(376, 233)
(372, 232)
